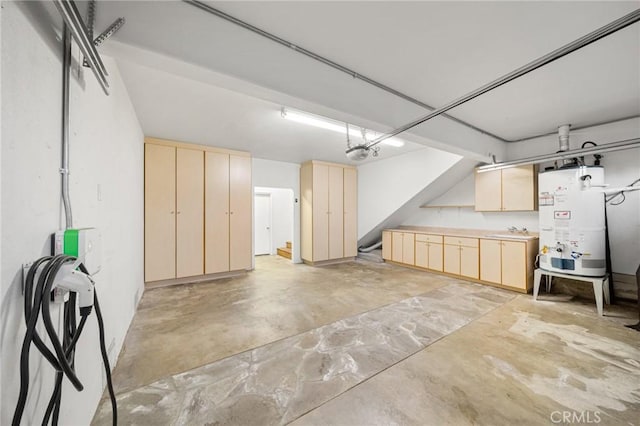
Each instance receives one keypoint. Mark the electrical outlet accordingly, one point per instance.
(25, 271)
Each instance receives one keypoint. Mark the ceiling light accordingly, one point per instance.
(337, 126)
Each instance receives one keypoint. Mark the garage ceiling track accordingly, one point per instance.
(328, 62)
(592, 37)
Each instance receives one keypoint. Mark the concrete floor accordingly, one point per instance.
(367, 343)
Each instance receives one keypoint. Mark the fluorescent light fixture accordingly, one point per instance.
(337, 126)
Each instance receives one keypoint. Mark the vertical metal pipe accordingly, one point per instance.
(64, 169)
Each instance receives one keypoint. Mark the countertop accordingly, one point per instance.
(490, 234)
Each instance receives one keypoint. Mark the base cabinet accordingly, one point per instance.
(403, 247)
(505, 263)
(461, 256)
(429, 253)
(386, 245)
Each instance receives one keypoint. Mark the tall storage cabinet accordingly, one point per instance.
(240, 213)
(328, 211)
(198, 210)
(189, 212)
(159, 212)
(228, 212)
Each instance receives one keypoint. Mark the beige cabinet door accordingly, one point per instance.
(488, 191)
(189, 212)
(306, 212)
(422, 254)
(336, 212)
(159, 212)
(518, 188)
(514, 264)
(452, 259)
(320, 206)
(491, 261)
(469, 262)
(350, 213)
(386, 245)
(240, 213)
(396, 246)
(435, 256)
(408, 248)
(216, 221)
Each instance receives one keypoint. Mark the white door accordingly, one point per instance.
(262, 210)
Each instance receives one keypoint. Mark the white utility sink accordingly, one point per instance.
(512, 236)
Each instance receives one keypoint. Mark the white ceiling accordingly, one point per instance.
(174, 107)
(433, 51)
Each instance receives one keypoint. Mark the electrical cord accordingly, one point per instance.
(612, 197)
(37, 295)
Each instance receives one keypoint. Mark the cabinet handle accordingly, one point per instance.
(171, 212)
(230, 212)
(178, 212)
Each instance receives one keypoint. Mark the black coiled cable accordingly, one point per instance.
(36, 300)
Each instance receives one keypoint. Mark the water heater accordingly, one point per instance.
(572, 223)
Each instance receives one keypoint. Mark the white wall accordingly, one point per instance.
(282, 209)
(463, 194)
(278, 174)
(106, 150)
(621, 168)
(385, 185)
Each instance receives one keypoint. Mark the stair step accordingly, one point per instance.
(288, 244)
(284, 252)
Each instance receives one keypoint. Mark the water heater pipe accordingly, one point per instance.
(563, 134)
(613, 146)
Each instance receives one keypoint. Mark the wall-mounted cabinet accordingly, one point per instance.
(511, 189)
(328, 212)
(198, 210)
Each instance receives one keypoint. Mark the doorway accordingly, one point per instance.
(262, 222)
(273, 221)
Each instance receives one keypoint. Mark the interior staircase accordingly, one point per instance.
(285, 251)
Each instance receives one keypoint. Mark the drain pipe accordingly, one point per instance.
(64, 169)
(370, 248)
